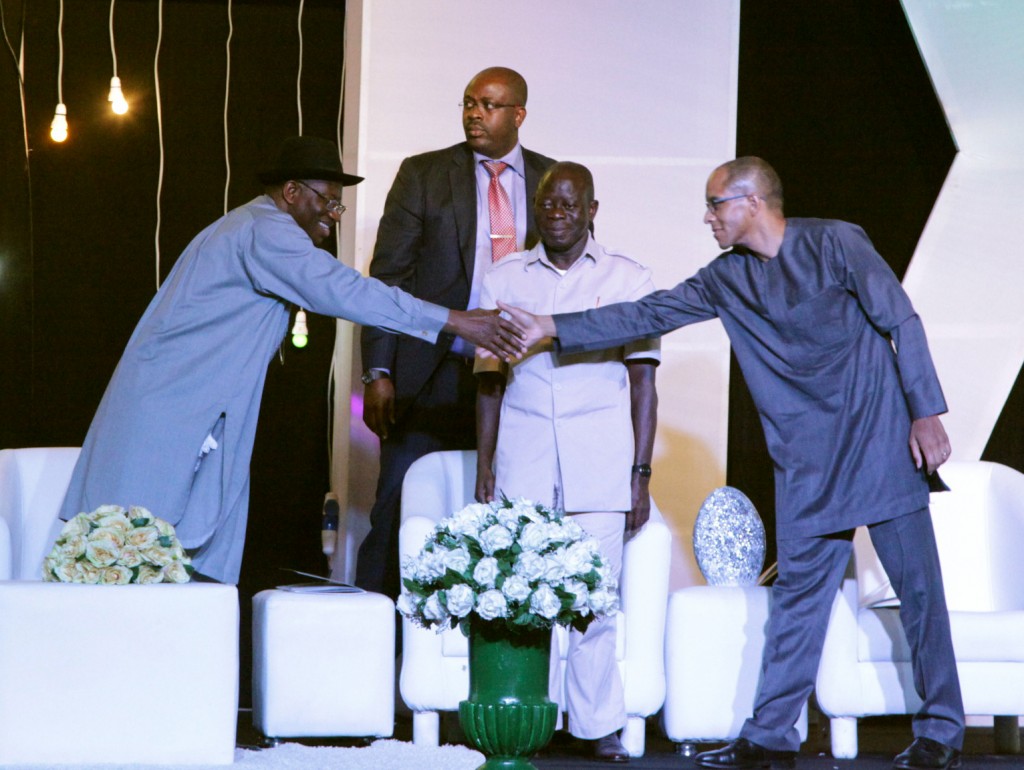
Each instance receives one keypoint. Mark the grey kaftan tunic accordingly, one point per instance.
(836, 360)
(196, 364)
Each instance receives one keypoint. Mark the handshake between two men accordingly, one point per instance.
(507, 338)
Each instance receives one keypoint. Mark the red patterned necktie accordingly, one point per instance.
(503, 224)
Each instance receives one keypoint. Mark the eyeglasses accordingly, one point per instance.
(334, 206)
(468, 105)
(714, 203)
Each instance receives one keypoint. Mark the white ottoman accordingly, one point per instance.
(714, 638)
(323, 664)
(119, 675)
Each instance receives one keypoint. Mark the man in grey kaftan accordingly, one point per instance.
(839, 369)
(174, 431)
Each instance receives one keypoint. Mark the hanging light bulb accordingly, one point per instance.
(300, 332)
(59, 126)
(116, 98)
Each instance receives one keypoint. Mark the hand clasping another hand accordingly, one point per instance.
(487, 329)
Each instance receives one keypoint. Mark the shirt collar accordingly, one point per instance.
(514, 158)
(593, 251)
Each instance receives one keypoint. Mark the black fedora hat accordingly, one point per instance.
(307, 157)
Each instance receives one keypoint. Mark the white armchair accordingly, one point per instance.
(865, 666)
(435, 667)
(180, 641)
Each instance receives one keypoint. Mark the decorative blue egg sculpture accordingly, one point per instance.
(728, 539)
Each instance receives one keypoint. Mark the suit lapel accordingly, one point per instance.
(462, 177)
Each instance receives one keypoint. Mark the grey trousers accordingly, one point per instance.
(810, 572)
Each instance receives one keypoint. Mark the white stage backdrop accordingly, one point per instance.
(965, 278)
(645, 95)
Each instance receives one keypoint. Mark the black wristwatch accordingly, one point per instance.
(373, 374)
(643, 469)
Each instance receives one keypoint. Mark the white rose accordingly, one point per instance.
(571, 531)
(102, 551)
(116, 522)
(432, 609)
(545, 602)
(79, 525)
(406, 605)
(457, 560)
(175, 572)
(508, 518)
(468, 521)
(114, 534)
(486, 571)
(130, 556)
(534, 537)
(460, 600)
(554, 567)
(528, 509)
(105, 510)
(492, 604)
(530, 565)
(115, 576)
(142, 537)
(425, 568)
(157, 555)
(86, 572)
(149, 574)
(603, 602)
(137, 512)
(495, 538)
(580, 594)
(164, 528)
(73, 547)
(579, 558)
(516, 588)
(65, 572)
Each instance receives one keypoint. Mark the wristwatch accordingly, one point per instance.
(643, 469)
(373, 374)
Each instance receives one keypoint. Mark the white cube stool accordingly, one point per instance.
(135, 674)
(714, 639)
(323, 664)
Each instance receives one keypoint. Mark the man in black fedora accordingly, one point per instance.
(174, 431)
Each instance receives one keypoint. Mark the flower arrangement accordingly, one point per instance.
(112, 546)
(510, 561)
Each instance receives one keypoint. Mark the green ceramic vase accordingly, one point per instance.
(508, 716)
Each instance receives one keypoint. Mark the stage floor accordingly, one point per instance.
(880, 739)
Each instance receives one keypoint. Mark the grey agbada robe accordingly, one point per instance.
(195, 367)
(835, 358)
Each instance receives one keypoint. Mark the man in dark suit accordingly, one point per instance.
(435, 241)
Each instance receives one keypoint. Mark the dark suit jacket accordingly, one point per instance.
(426, 244)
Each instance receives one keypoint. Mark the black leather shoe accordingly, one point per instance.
(926, 754)
(741, 754)
(610, 749)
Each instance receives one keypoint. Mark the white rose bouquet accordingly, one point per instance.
(112, 546)
(510, 561)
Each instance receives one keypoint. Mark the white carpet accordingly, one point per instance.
(382, 755)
